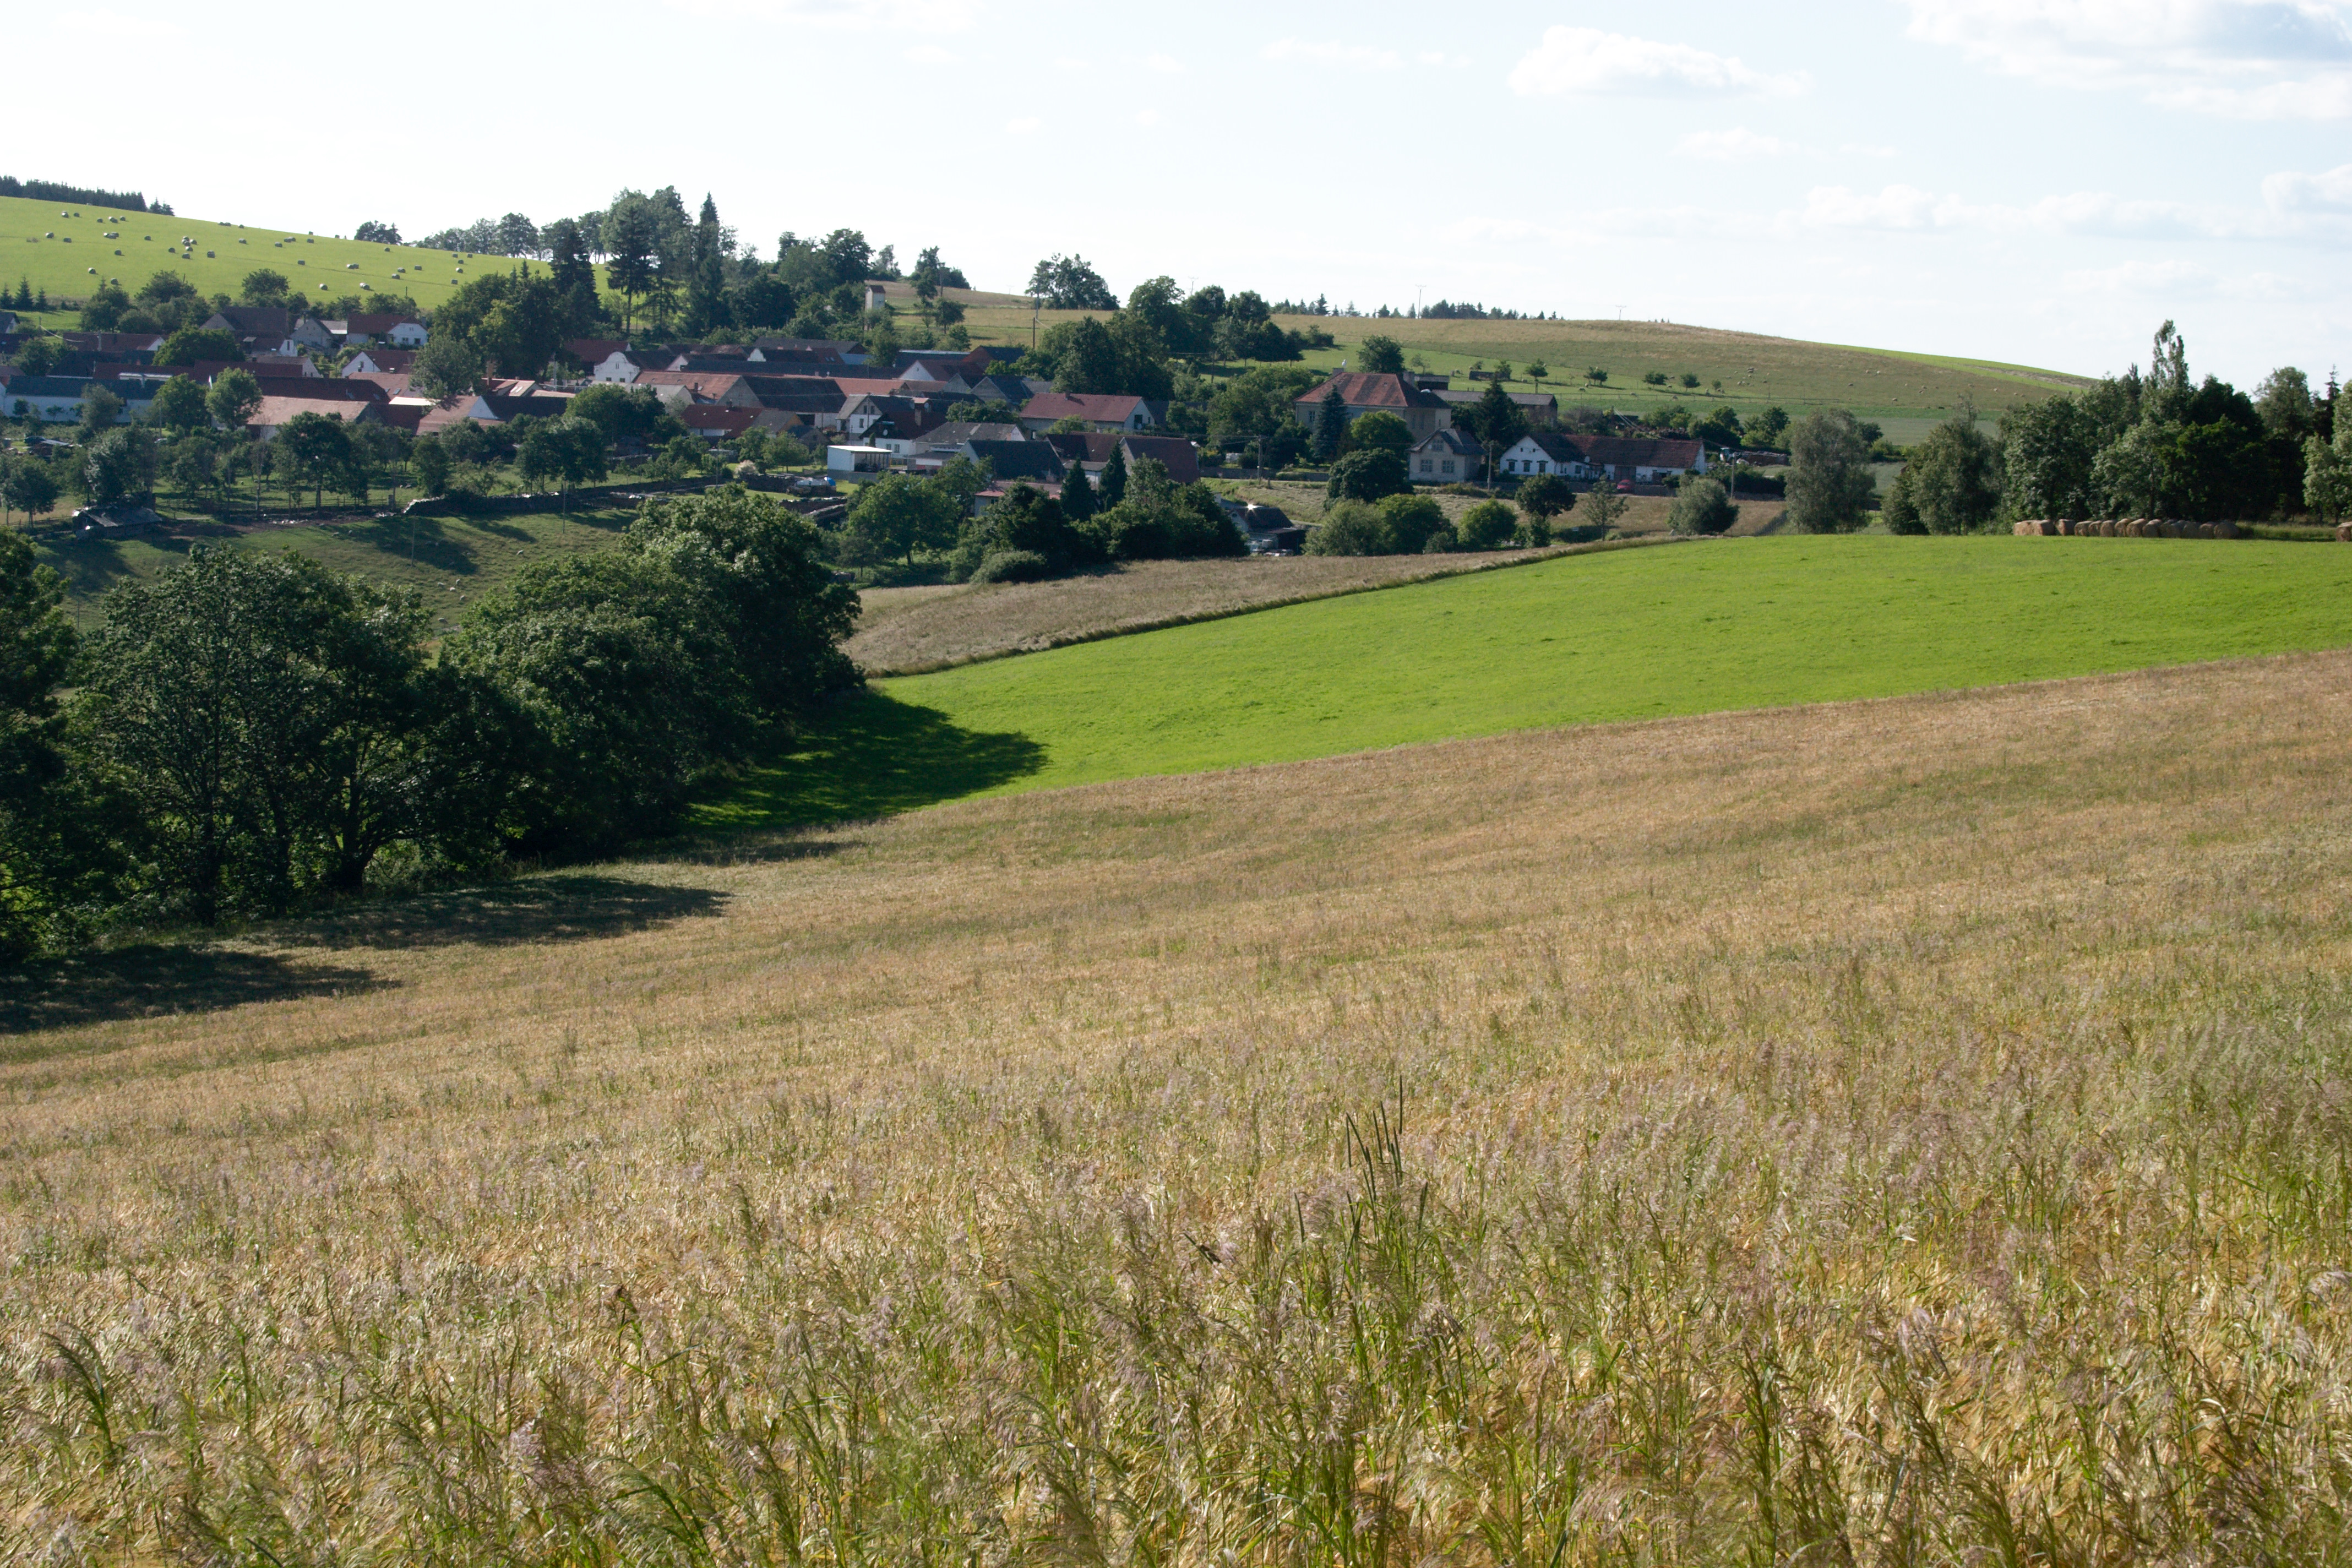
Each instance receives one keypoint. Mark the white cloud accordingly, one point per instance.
(847, 15)
(2330, 192)
(1908, 209)
(1588, 61)
(929, 55)
(1147, 117)
(101, 24)
(1028, 124)
(1358, 57)
(2253, 60)
(1166, 65)
(2181, 280)
(1737, 145)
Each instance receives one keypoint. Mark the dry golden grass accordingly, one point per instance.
(1912, 1132)
(904, 631)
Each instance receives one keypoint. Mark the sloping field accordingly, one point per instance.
(1913, 1131)
(1756, 371)
(1634, 633)
(53, 252)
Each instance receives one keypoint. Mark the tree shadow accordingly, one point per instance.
(580, 907)
(872, 756)
(149, 982)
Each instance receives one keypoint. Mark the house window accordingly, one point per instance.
(1426, 465)
(1449, 464)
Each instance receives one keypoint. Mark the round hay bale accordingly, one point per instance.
(2225, 529)
(2344, 533)
(2204, 531)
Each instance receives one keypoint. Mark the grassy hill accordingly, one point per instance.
(1905, 392)
(1912, 1133)
(1635, 634)
(69, 255)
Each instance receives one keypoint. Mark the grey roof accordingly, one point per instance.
(1017, 459)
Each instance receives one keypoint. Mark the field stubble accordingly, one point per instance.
(1902, 1131)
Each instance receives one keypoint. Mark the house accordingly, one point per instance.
(1178, 456)
(270, 329)
(318, 389)
(52, 398)
(859, 410)
(826, 350)
(395, 382)
(513, 399)
(276, 413)
(1267, 529)
(1366, 391)
(904, 431)
(1541, 408)
(1617, 458)
(843, 461)
(1101, 411)
(1543, 452)
(951, 436)
(1449, 457)
(1035, 461)
(7, 323)
(365, 331)
(1000, 388)
(467, 407)
(375, 362)
(730, 388)
(616, 365)
(715, 422)
(593, 351)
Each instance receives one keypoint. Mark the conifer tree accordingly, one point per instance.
(1078, 493)
(1331, 426)
(1114, 479)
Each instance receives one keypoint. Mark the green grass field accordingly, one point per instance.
(59, 252)
(1635, 635)
(454, 560)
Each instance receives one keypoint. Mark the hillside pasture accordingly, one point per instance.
(1590, 638)
(1900, 1132)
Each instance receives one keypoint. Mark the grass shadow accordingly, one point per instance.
(580, 907)
(153, 981)
(872, 756)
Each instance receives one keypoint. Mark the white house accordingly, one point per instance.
(1447, 457)
(841, 462)
(1618, 459)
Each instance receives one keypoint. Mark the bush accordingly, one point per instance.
(1489, 525)
(1533, 533)
(1702, 507)
(1412, 521)
(1011, 566)
(1351, 528)
(1442, 543)
(1368, 475)
(1546, 495)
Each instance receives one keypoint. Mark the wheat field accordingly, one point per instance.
(1911, 1132)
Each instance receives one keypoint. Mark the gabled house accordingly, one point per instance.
(276, 413)
(53, 398)
(1366, 391)
(375, 362)
(1543, 452)
(904, 432)
(457, 410)
(1101, 411)
(1615, 458)
(1541, 408)
(1036, 461)
(364, 332)
(270, 329)
(1448, 456)
(1178, 456)
(730, 388)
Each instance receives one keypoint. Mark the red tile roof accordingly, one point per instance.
(1096, 407)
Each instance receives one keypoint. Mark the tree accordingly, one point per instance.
(1701, 506)
(1026, 522)
(1955, 476)
(1829, 483)
(446, 365)
(1078, 493)
(1600, 506)
(1721, 428)
(314, 449)
(37, 649)
(179, 404)
(706, 296)
(1068, 283)
(1412, 520)
(189, 344)
(632, 239)
(28, 486)
(1901, 511)
(570, 451)
(101, 411)
(118, 466)
(1351, 528)
(1768, 428)
(265, 287)
(1380, 431)
(235, 397)
(428, 462)
(1367, 476)
(1489, 525)
(2327, 474)
(1497, 422)
(1538, 372)
(894, 517)
(1113, 487)
(1597, 375)
(104, 311)
(1545, 496)
(1380, 355)
(37, 355)
(1331, 425)
(373, 233)
(573, 272)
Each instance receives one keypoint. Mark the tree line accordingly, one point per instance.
(248, 733)
(2156, 443)
(81, 195)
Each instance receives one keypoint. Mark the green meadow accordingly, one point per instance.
(1632, 634)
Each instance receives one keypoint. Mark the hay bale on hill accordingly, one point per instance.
(2225, 529)
(2018, 528)
(2344, 533)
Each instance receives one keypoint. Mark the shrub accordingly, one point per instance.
(1533, 532)
(1702, 507)
(1368, 475)
(1546, 495)
(1351, 528)
(1011, 566)
(1442, 543)
(1410, 522)
(1489, 525)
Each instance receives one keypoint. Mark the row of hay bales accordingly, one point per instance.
(2126, 528)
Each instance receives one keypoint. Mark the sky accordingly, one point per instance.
(2042, 182)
